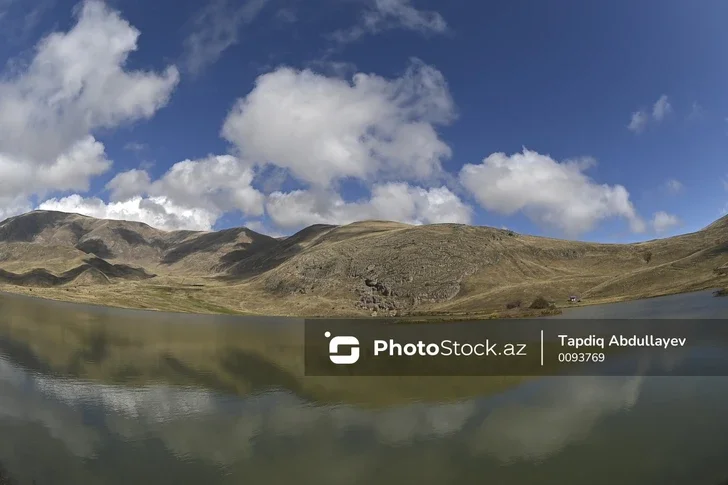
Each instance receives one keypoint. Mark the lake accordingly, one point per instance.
(94, 395)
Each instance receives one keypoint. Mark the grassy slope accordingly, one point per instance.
(328, 270)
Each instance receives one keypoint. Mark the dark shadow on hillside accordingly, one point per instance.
(716, 251)
(43, 278)
(97, 247)
(26, 227)
(132, 238)
(211, 242)
(35, 277)
(241, 264)
(119, 270)
(77, 230)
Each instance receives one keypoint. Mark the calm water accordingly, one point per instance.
(102, 396)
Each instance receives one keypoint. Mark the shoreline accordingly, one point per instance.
(418, 318)
(434, 317)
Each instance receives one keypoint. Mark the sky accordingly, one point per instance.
(597, 121)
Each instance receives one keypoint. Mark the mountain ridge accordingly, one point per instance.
(367, 267)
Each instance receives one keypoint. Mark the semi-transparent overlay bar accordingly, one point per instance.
(514, 347)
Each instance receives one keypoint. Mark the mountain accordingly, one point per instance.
(358, 268)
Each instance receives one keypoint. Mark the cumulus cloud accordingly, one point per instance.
(195, 194)
(216, 28)
(74, 84)
(221, 183)
(323, 129)
(370, 129)
(552, 193)
(13, 206)
(394, 201)
(192, 194)
(129, 184)
(158, 212)
(69, 171)
(385, 15)
(662, 221)
(317, 129)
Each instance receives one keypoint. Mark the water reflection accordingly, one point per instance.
(566, 411)
(87, 398)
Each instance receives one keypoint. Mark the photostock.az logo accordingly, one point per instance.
(343, 341)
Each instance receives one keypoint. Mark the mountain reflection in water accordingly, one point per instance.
(96, 397)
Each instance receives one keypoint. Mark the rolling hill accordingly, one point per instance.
(357, 269)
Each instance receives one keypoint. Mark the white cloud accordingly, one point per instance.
(394, 201)
(13, 206)
(661, 108)
(75, 84)
(221, 183)
(69, 171)
(405, 15)
(567, 410)
(195, 194)
(217, 28)
(158, 212)
(638, 122)
(323, 129)
(674, 186)
(129, 184)
(640, 119)
(318, 129)
(554, 194)
(192, 194)
(392, 14)
(339, 69)
(662, 221)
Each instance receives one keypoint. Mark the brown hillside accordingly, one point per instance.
(30, 239)
(344, 270)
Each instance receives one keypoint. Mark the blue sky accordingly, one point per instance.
(602, 121)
